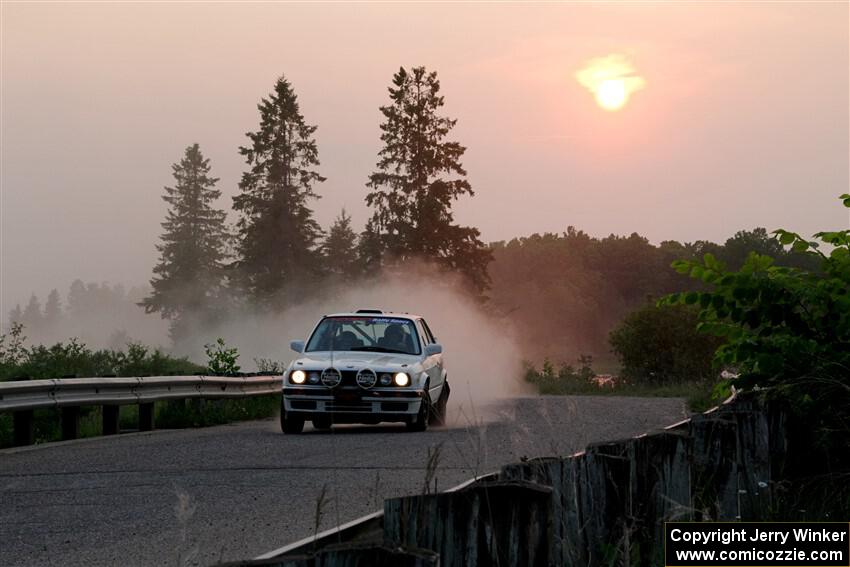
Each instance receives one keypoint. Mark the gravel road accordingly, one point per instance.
(200, 496)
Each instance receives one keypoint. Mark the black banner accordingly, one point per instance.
(757, 544)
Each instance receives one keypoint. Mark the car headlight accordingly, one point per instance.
(298, 377)
(386, 379)
(401, 379)
(313, 377)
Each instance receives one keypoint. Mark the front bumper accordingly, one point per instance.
(353, 405)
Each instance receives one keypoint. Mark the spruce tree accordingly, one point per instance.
(188, 279)
(340, 248)
(370, 250)
(277, 232)
(419, 176)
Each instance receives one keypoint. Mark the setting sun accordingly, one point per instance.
(611, 94)
(611, 80)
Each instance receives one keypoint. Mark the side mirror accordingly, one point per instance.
(297, 346)
(431, 350)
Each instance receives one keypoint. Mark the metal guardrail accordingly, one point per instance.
(23, 397)
(37, 394)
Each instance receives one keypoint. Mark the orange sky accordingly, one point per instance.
(743, 120)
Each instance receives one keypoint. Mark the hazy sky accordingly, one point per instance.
(742, 120)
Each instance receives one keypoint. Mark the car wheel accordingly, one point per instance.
(438, 413)
(288, 424)
(322, 423)
(420, 422)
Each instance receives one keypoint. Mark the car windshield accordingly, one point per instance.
(371, 334)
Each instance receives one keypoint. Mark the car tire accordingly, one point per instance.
(438, 411)
(322, 423)
(290, 425)
(420, 422)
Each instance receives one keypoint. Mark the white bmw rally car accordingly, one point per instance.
(366, 367)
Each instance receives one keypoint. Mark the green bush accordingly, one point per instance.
(787, 329)
(661, 346)
(73, 358)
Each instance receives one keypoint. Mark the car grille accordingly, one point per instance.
(349, 378)
(341, 405)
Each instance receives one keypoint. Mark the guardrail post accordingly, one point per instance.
(70, 422)
(146, 417)
(110, 419)
(24, 432)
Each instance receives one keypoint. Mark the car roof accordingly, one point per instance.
(373, 314)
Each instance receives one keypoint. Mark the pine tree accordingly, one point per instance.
(419, 175)
(340, 248)
(277, 232)
(188, 279)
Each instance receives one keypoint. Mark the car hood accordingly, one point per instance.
(347, 360)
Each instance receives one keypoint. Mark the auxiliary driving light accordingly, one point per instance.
(331, 377)
(401, 379)
(298, 377)
(366, 378)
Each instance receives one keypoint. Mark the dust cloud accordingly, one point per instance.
(481, 356)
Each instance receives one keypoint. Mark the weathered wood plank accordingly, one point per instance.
(602, 486)
(714, 468)
(487, 523)
(660, 491)
(558, 473)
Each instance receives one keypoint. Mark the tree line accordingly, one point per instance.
(564, 293)
(277, 250)
(95, 313)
